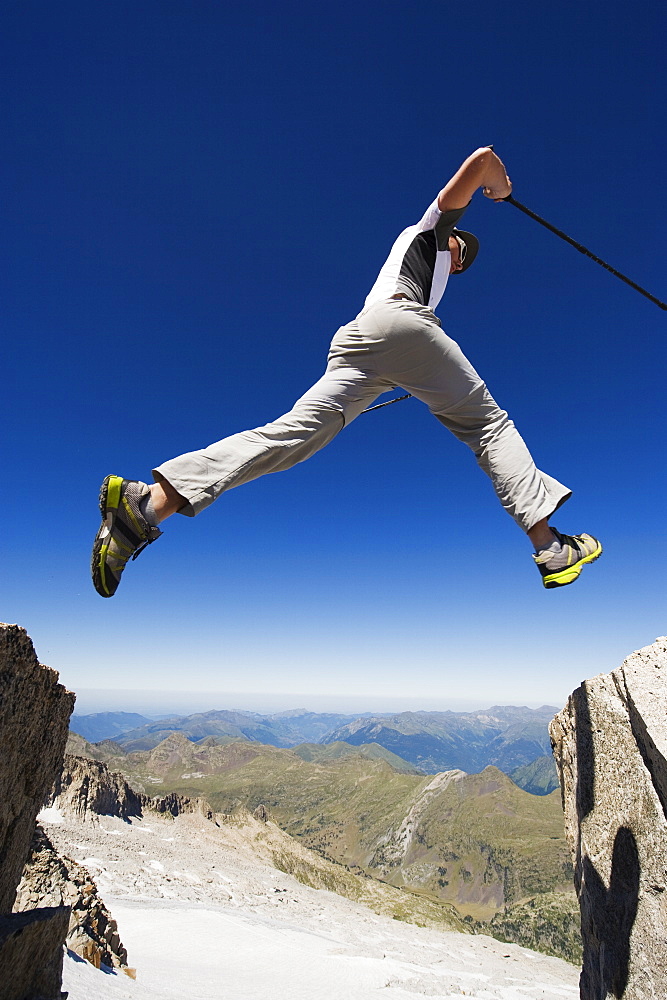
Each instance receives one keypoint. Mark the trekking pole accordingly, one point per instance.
(582, 249)
(378, 406)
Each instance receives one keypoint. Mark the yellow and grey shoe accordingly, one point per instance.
(123, 534)
(559, 569)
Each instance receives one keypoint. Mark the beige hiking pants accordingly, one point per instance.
(393, 343)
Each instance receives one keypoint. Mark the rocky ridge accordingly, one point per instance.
(610, 744)
(34, 717)
(395, 845)
(87, 787)
(53, 880)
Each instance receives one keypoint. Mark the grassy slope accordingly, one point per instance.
(549, 923)
(539, 777)
(483, 843)
(319, 753)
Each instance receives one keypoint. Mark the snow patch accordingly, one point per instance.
(50, 814)
(206, 914)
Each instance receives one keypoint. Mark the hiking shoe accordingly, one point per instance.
(124, 532)
(564, 567)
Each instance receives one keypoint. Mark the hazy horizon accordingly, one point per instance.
(158, 704)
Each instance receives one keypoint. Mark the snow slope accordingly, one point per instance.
(205, 916)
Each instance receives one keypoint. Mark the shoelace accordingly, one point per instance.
(153, 533)
(141, 548)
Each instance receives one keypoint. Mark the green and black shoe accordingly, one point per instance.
(124, 532)
(564, 567)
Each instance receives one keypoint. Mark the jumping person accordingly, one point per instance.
(396, 340)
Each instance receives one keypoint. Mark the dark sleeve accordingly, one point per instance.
(445, 225)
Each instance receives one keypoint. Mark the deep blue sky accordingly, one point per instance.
(196, 196)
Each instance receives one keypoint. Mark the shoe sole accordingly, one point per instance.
(110, 497)
(571, 573)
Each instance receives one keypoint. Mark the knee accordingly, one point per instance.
(313, 417)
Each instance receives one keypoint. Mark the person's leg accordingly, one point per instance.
(190, 483)
(541, 534)
(530, 496)
(417, 355)
(421, 358)
(166, 501)
(527, 494)
(131, 510)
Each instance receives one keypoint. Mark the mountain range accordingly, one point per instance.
(507, 737)
(282, 729)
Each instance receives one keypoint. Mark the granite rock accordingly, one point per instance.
(34, 718)
(86, 789)
(31, 954)
(610, 746)
(50, 879)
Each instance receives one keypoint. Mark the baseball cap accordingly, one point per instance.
(472, 246)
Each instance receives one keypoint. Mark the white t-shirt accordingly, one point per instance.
(419, 261)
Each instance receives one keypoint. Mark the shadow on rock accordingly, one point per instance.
(610, 914)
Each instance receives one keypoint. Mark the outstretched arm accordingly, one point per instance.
(482, 169)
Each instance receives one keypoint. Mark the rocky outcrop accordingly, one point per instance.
(610, 745)
(55, 899)
(49, 879)
(176, 805)
(34, 717)
(31, 954)
(261, 813)
(87, 788)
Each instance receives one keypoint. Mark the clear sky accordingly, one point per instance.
(196, 195)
